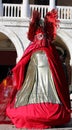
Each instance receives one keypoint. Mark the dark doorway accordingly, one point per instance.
(4, 71)
(7, 62)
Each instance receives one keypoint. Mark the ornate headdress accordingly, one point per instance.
(47, 26)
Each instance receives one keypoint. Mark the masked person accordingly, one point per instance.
(42, 97)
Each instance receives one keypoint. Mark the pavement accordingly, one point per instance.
(10, 127)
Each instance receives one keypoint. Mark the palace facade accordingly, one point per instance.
(14, 22)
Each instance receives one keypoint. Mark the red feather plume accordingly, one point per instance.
(33, 25)
(51, 23)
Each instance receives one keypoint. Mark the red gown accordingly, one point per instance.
(41, 115)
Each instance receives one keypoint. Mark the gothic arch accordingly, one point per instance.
(63, 41)
(14, 39)
(67, 41)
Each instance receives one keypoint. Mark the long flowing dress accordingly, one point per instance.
(40, 88)
(39, 103)
(38, 94)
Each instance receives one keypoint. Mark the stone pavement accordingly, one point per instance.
(10, 127)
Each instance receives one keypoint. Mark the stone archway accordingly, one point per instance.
(63, 43)
(7, 56)
(65, 59)
(15, 40)
(66, 40)
(7, 51)
(11, 51)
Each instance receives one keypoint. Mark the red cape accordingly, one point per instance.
(55, 114)
(55, 66)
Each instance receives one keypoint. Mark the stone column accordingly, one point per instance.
(25, 10)
(51, 4)
(1, 8)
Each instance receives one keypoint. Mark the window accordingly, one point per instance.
(41, 2)
(12, 1)
(64, 3)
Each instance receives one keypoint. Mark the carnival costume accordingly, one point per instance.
(40, 95)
